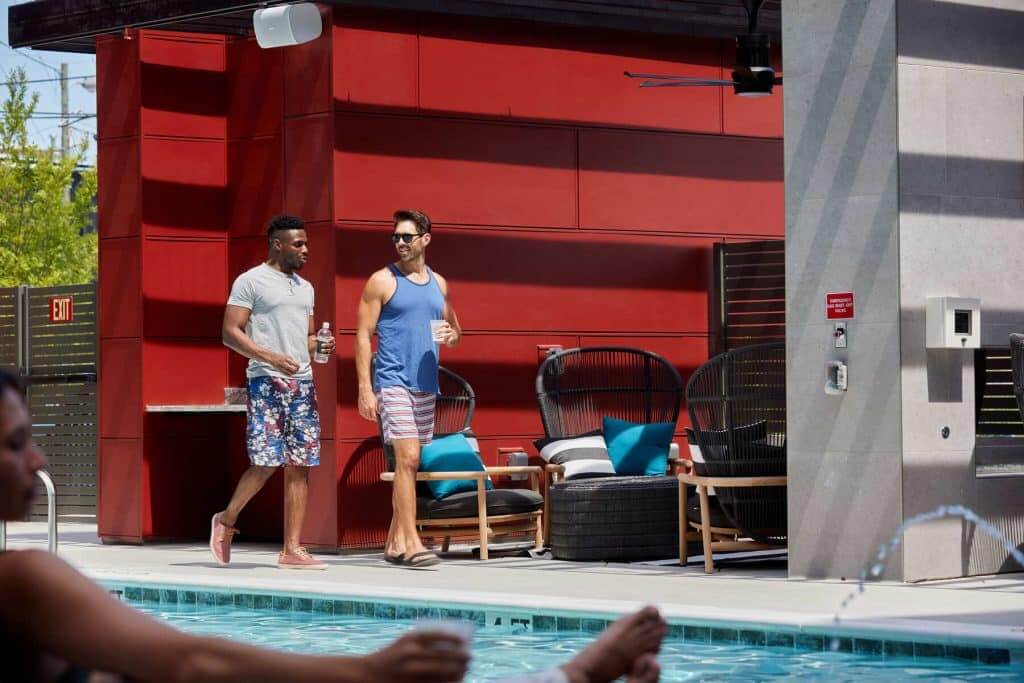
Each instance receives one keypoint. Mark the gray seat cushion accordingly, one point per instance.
(499, 502)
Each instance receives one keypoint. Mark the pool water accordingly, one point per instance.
(498, 653)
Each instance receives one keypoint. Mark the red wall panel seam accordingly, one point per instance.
(340, 108)
(562, 230)
(578, 174)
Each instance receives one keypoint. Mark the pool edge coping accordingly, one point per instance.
(884, 628)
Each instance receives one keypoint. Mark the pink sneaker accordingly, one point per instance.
(220, 540)
(300, 559)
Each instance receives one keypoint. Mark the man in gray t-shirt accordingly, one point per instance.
(269, 320)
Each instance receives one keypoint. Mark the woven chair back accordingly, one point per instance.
(737, 406)
(577, 388)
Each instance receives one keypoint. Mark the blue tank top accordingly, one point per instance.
(406, 353)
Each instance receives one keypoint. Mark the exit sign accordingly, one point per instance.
(62, 309)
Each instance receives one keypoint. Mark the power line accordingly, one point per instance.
(28, 56)
(49, 80)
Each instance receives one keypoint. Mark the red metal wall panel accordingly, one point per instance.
(375, 58)
(117, 87)
(120, 187)
(184, 187)
(564, 281)
(364, 501)
(183, 371)
(458, 171)
(255, 89)
(184, 84)
(552, 227)
(307, 73)
(120, 285)
(307, 166)
(186, 479)
(184, 287)
(256, 184)
(684, 183)
(320, 528)
(243, 254)
(561, 74)
(119, 514)
(120, 388)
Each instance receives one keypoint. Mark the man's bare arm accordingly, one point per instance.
(96, 631)
(449, 314)
(370, 304)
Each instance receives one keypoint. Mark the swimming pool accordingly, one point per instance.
(536, 640)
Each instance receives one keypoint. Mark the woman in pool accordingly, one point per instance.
(51, 615)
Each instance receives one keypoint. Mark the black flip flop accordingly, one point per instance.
(426, 559)
(394, 559)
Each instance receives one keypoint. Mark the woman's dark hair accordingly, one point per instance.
(420, 219)
(283, 222)
(9, 380)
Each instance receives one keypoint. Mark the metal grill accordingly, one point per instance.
(748, 298)
(57, 362)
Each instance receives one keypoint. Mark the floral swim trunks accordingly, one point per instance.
(283, 424)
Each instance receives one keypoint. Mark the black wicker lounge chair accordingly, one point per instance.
(737, 406)
(481, 514)
(1017, 362)
(611, 517)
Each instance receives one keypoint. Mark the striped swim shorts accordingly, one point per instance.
(406, 414)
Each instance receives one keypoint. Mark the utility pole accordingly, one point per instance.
(65, 122)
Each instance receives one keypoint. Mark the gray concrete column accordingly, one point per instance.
(844, 452)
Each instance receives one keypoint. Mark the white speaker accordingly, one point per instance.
(285, 25)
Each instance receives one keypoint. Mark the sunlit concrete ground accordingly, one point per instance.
(987, 609)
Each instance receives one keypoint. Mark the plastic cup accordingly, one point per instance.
(463, 629)
(435, 330)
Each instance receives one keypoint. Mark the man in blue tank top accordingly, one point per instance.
(408, 305)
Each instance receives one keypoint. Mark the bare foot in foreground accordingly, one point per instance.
(621, 646)
(645, 670)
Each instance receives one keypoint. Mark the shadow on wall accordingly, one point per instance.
(430, 133)
(961, 33)
(593, 261)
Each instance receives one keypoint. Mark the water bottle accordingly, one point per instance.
(323, 335)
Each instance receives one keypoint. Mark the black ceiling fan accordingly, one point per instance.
(753, 75)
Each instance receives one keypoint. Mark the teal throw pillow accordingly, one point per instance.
(638, 449)
(451, 453)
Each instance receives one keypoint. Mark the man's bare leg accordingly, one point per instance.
(252, 480)
(296, 494)
(403, 539)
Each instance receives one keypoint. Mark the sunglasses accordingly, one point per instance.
(407, 238)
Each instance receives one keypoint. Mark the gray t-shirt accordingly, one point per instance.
(280, 307)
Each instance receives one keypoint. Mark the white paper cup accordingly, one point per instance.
(463, 629)
(435, 329)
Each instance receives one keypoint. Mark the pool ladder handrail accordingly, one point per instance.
(51, 515)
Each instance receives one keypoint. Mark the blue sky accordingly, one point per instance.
(80, 100)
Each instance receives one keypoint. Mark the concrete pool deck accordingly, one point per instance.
(987, 610)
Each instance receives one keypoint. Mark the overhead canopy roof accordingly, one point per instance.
(72, 25)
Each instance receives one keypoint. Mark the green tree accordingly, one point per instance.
(41, 240)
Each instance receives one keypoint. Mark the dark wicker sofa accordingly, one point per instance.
(607, 518)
